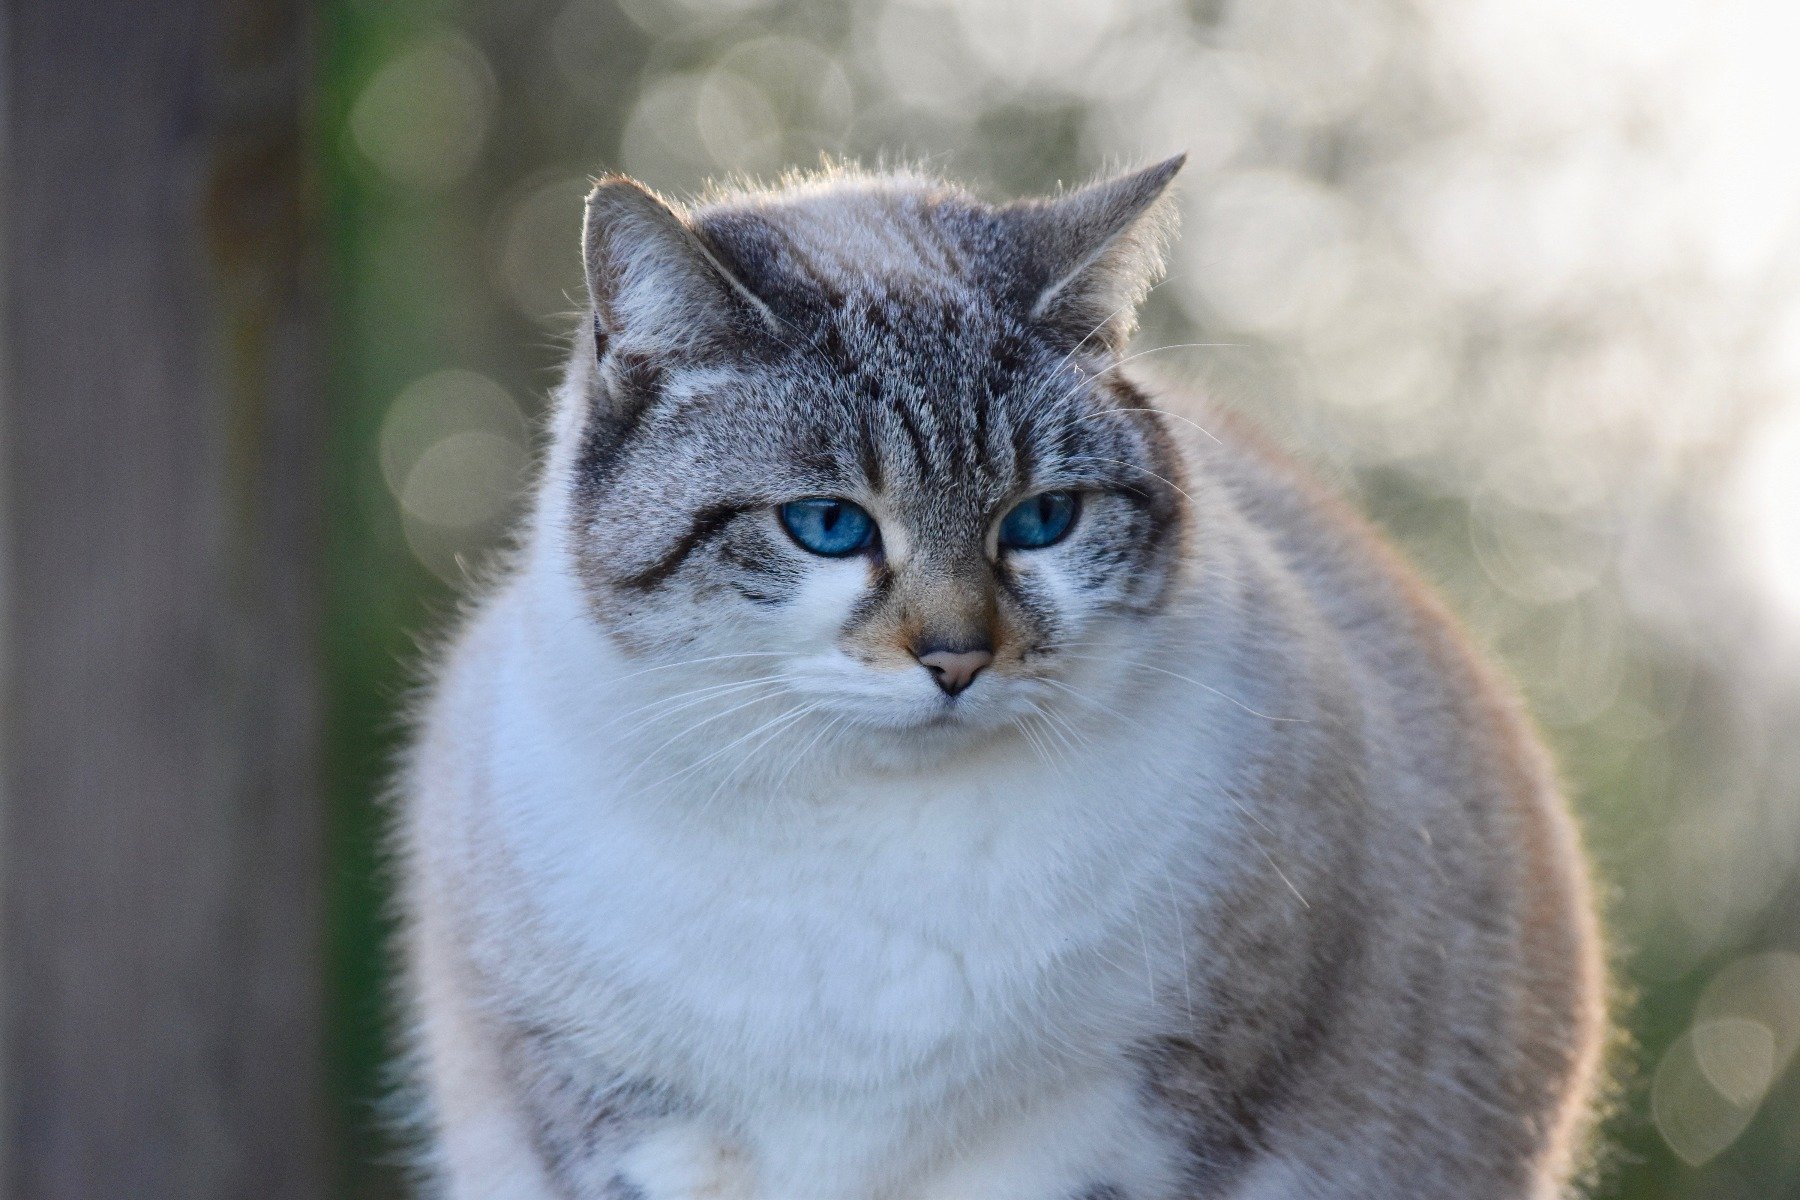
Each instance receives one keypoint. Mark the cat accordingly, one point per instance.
(907, 760)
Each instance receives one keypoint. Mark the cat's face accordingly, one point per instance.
(907, 494)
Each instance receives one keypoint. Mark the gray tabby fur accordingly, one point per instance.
(1372, 961)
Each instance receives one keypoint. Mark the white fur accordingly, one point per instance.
(853, 960)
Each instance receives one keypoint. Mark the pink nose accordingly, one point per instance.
(955, 670)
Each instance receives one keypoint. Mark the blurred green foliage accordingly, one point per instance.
(1496, 268)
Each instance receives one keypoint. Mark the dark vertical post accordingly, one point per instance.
(159, 800)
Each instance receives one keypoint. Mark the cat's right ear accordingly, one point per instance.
(657, 292)
(1094, 252)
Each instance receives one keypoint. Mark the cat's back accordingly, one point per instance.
(1475, 841)
(1419, 666)
(1429, 700)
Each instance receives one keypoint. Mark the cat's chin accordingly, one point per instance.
(904, 751)
(901, 740)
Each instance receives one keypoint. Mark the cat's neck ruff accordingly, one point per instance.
(901, 939)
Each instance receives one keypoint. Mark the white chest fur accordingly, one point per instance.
(856, 970)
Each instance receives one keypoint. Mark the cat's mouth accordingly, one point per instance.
(896, 706)
(945, 716)
(972, 713)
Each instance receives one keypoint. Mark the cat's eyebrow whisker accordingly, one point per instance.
(1037, 393)
(1137, 467)
(1161, 412)
(1129, 358)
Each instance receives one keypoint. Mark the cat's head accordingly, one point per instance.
(864, 437)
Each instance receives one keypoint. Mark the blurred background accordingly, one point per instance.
(1522, 277)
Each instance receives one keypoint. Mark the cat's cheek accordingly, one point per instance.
(824, 599)
(1053, 596)
(1106, 577)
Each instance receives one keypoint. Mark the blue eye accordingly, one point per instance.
(1039, 520)
(828, 526)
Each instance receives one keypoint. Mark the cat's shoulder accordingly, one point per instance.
(1330, 543)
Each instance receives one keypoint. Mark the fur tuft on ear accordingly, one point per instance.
(657, 291)
(1096, 251)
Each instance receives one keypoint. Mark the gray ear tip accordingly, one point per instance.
(1162, 172)
(620, 202)
(616, 191)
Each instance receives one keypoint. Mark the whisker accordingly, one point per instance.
(1161, 412)
(728, 746)
(1231, 799)
(1089, 380)
(1038, 748)
(1137, 917)
(1071, 736)
(1050, 732)
(694, 662)
(688, 699)
(775, 729)
(1225, 696)
(1137, 467)
(1187, 974)
(1037, 393)
(1276, 867)
(774, 689)
(1082, 696)
(1130, 358)
(827, 727)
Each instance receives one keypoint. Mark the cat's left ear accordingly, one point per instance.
(1093, 253)
(657, 290)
